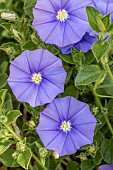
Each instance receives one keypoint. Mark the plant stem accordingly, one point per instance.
(13, 133)
(30, 166)
(20, 140)
(109, 71)
(101, 107)
(102, 96)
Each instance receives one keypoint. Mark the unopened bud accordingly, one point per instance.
(56, 155)
(43, 152)
(9, 50)
(31, 124)
(4, 133)
(104, 60)
(101, 79)
(8, 16)
(105, 111)
(95, 110)
(83, 156)
(91, 149)
(3, 119)
(21, 146)
(15, 154)
(17, 35)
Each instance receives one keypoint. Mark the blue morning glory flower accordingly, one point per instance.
(65, 125)
(106, 167)
(36, 77)
(61, 22)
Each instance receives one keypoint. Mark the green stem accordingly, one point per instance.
(102, 96)
(30, 166)
(18, 139)
(101, 107)
(13, 133)
(109, 71)
(35, 157)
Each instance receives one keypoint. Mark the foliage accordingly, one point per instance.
(89, 78)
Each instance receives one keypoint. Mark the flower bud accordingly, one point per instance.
(21, 146)
(56, 155)
(43, 152)
(9, 50)
(104, 60)
(95, 110)
(18, 36)
(3, 119)
(15, 154)
(8, 16)
(31, 124)
(83, 156)
(91, 149)
(101, 79)
(4, 133)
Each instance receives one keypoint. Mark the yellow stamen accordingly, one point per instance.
(37, 78)
(65, 126)
(62, 15)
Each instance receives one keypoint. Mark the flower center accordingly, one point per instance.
(62, 15)
(37, 78)
(65, 126)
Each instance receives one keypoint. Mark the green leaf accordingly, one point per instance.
(110, 29)
(5, 146)
(89, 58)
(88, 164)
(24, 158)
(11, 47)
(3, 66)
(69, 71)
(99, 50)
(108, 85)
(12, 116)
(2, 96)
(28, 5)
(32, 110)
(71, 91)
(101, 25)
(110, 107)
(3, 80)
(8, 106)
(107, 150)
(92, 14)
(72, 166)
(7, 159)
(106, 20)
(67, 58)
(29, 45)
(88, 75)
(7, 26)
(98, 158)
(98, 138)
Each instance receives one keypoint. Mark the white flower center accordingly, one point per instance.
(37, 78)
(62, 15)
(65, 126)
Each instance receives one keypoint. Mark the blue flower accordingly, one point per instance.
(106, 167)
(61, 22)
(65, 125)
(36, 77)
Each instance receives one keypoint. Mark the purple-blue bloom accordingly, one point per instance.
(65, 125)
(36, 77)
(61, 22)
(106, 167)
(85, 44)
